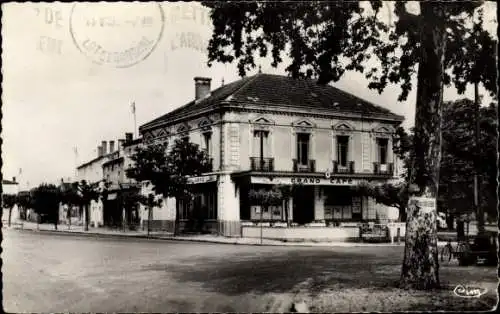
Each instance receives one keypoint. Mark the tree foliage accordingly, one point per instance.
(46, 199)
(168, 171)
(9, 200)
(390, 194)
(266, 197)
(460, 151)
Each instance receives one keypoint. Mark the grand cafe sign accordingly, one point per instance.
(327, 180)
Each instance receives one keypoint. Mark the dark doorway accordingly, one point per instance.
(303, 204)
(112, 214)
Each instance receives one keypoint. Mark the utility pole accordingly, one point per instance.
(477, 206)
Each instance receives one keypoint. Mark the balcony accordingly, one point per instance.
(310, 167)
(349, 168)
(383, 169)
(262, 164)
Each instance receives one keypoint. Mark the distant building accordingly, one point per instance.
(10, 187)
(115, 211)
(265, 130)
(109, 165)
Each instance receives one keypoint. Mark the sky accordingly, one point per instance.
(58, 94)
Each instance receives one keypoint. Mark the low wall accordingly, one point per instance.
(303, 233)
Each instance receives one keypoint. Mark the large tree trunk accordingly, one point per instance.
(420, 268)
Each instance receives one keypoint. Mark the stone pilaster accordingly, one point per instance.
(228, 207)
(319, 204)
(366, 160)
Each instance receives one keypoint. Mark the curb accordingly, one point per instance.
(214, 241)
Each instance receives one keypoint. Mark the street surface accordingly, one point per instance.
(68, 273)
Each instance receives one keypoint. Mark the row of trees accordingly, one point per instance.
(443, 43)
(46, 199)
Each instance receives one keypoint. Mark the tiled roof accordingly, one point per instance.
(269, 91)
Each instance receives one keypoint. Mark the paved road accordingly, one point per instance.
(68, 273)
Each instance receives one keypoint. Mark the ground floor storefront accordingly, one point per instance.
(220, 204)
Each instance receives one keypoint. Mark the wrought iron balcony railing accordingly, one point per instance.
(309, 167)
(338, 168)
(386, 169)
(262, 164)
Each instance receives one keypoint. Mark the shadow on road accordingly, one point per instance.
(281, 272)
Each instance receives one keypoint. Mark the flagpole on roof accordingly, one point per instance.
(135, 119)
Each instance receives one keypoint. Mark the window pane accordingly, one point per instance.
(342, 149)
(303, 148)
(382, 150)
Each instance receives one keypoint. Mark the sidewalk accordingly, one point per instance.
(78, 230)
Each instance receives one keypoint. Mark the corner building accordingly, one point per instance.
(265, 130)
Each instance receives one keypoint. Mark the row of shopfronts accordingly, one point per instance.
(314, 200)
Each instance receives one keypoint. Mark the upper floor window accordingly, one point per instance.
(261, 143)
(342, 149)
(207, 143)
(303, 148)
(382, 147)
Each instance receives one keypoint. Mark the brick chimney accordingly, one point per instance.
(14, 179)
(104, 147)
(201, 87)
(128, 137)
(99, 151)
(111, 146)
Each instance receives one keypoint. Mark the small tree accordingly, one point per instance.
(394, 195)
(265, 198)
(70, 198)
(8, 202)
(168, 172)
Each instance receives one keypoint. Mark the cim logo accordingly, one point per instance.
(469, 292)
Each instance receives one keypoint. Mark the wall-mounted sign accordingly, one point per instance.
(304, 181)
(202, 179)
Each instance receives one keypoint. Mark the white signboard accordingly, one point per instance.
(305, 181)
(203, 179)
(425, 204)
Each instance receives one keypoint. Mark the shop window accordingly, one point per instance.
(342, 150)
(303, 148)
